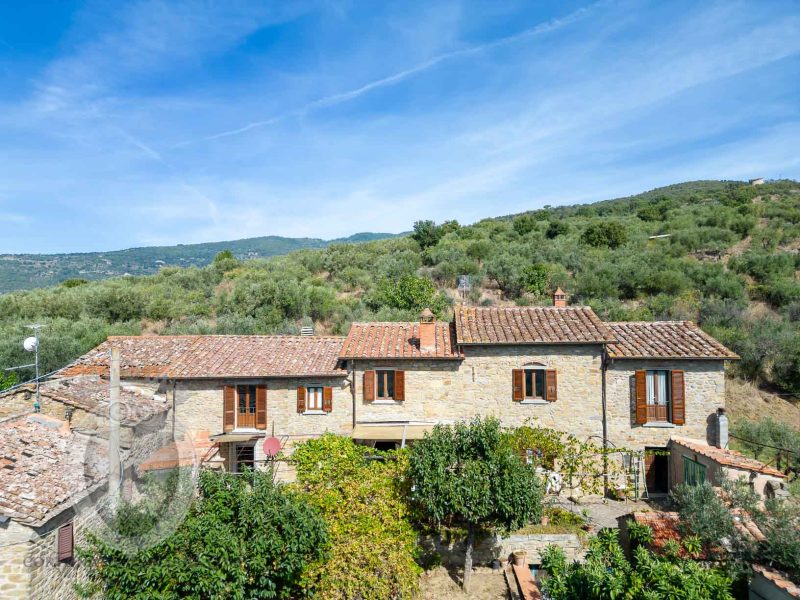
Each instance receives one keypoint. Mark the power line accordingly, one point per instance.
(764, 445)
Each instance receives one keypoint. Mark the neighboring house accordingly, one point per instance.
(757, 181)
(385, 384)
(50, 480)
(770, 584)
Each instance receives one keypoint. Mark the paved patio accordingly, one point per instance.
(603, 513)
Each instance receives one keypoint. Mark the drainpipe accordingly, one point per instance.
(353, 389)
(603, 367)
(174, 408)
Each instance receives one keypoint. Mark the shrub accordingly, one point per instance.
(361, 495)
(609, 234)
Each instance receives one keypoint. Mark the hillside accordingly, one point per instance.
(723, 254)
(26, 271)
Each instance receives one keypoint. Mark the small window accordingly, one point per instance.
(534, 383)
(313, 398)
(385, 385)
(694, 473)
(245, 457)
(65, 543)
(247, 399)
(658, 396)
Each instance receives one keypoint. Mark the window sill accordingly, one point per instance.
(660, 425)
(537, 401)
(314, 412)
(386, 401)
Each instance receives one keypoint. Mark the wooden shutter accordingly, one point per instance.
(327, 399)
(641, 397)
(229, 407)
(550, 385)
(65, 543)
(518, 385)
(369, 386)
(301, 399)
(678, 398)
(261, 407)
(399, 385)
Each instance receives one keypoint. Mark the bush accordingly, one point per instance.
(363, 501)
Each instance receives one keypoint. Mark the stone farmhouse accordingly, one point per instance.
(636, 384)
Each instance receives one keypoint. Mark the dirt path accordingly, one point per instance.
(439, 584)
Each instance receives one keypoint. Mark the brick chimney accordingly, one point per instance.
(559, 298)
(427, 331)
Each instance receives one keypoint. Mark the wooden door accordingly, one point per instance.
(246, 407)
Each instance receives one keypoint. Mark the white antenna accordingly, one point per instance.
(31, 344)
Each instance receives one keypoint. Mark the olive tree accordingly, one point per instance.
(468, 475)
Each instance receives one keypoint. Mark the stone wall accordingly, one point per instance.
(15, 574)
(480, 385)
(500, 548)
(704, 382)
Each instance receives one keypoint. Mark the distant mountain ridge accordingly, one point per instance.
(27, 271)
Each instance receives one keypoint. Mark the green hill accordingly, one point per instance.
(26, 271)
(723, 254)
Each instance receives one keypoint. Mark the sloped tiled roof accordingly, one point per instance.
(728, 458)
(397, 340)
(215, 356)
(665, 339)
(530, 325)
(44, 466)
(91, 393)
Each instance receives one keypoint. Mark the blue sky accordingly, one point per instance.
(141, 123)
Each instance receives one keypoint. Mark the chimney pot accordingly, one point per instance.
(559, 298)
(427, 331)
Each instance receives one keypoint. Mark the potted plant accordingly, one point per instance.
(520, 558)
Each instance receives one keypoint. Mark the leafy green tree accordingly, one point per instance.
(362, 495)
(610, 234)
(426, 233)
(607, 574)
(524, 224)
(536, 279)
(556, 228)
(468, 475)
(410, 293)
(244, 537)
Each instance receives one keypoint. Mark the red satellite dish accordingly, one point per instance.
(272, 446)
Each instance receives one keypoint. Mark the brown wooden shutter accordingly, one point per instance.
(65, 543)
(301, 399)
(641, 397)
(261, 407)
(399, 385)
(678, 398)
(369, 386)
(229, 407)
(550, 385)
(517, 385)
(327, 399)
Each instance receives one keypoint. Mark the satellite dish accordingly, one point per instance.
(30, 344)
(272, 446)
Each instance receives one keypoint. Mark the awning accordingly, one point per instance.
(390, 433)
(224, 438)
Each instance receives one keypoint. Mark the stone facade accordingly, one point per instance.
(704, 382)
(497, 547)
(480, 385)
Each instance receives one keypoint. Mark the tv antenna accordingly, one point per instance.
(31, 344)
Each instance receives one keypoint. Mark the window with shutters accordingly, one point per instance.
(314, 399)
(694, 473)
(658, 396)
(384, 380)
(65, 543)
(534, 384)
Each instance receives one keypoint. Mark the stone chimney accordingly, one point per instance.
(427, 331)
(721, 430)
(559, 298)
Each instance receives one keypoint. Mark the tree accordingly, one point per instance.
(607, 574)
(555, 229)
(536, 279)
(244, 537)
(468, 475)
(611, 234)
(410, 293)
(362, 495)
(426, 233)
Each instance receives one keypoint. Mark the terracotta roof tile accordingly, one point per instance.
(530, 325)
(728, 458)
(665, 339)
(665, 527)
(779, 579)
(45, 466)
(215, 356)
(397, 340)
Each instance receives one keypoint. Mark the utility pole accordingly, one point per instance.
(114, 468)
